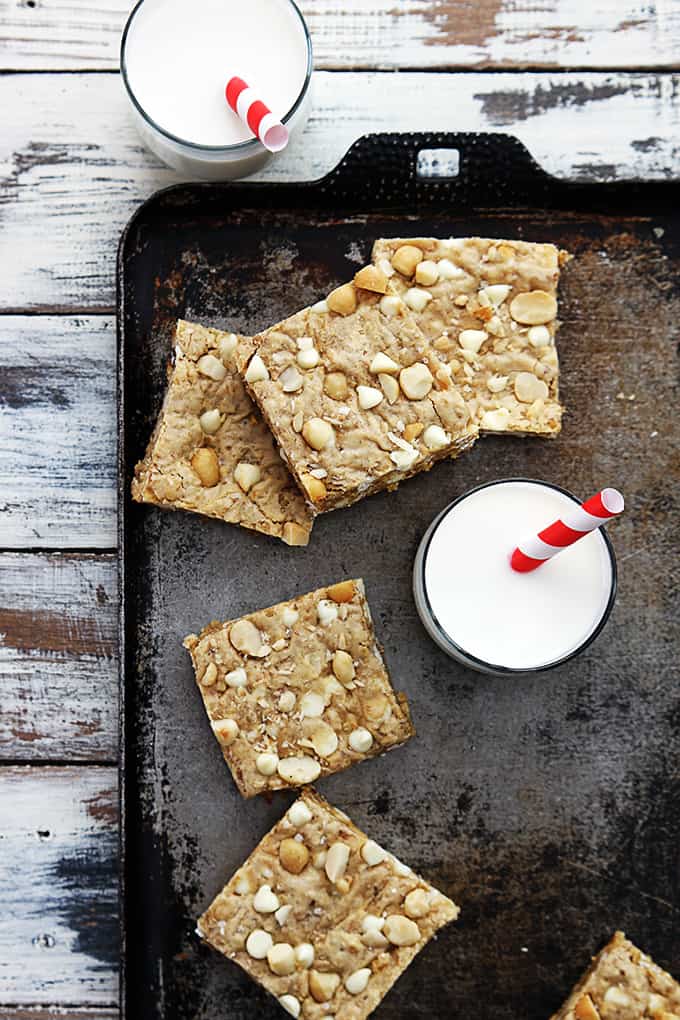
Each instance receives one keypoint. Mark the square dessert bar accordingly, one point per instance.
(623, 983)
(210, 451)
(299, 690)
(488, 308)
(353, 395)
(322, 917)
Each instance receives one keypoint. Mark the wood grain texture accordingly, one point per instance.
(384, 33)
(58, 657)
(72, 178)
(56, 1013)
(57, 410)
(58, 926)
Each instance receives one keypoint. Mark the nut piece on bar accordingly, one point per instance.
(348, 390)
(299, 690)
(623, 983)
(488, 308)
(210, 451)
(323, 917)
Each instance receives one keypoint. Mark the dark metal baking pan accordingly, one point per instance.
(548, 807)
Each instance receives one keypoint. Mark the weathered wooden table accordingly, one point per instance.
(588, 86)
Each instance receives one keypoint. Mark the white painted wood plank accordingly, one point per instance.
(57, 1013)
(385, 33)
(57, 420)
(58, 925)
(74, 171)
(58, 657)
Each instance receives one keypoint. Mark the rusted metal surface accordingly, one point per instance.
(548, 807)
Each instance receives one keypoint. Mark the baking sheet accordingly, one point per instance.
(547, 807)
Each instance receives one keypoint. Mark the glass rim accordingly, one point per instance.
(236, 148)
(482, 665)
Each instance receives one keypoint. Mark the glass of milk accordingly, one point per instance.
(176, 59)
(491, 618)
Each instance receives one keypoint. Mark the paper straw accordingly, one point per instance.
(253, 112)
(595, 512)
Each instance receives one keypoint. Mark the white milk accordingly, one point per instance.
(179, 54)
(466, 590)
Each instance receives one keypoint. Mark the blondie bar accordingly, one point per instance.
(299, 690)
(210, 451)
(488, 309)
(322, 917)
(623, 983)
(353, 395)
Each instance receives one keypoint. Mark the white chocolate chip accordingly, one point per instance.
(324, 740)
(279, 644)
(472, 339)
(614, 996)
(401, 931)
(399, 866)
(390, 306)
(528, 388)
(416, 381)
(372, 936)
(427, 273)
(368, 397)
(243, 886)
(356, 983)
(289, 1002)
(266, 763)
(247, 475)
(226, 730)
(290, 616)
(283, 913)
(257, 370)
(371, 922)
(227, 346)
(211, 367)
(258, 944)
(417, 904)
(318, 433)
(360, 740)
(435, 438)
(236, 677)
(534, 308)
(496, 383)
(385, 266)
(448, 270)
(265, 901)
(299, 814)
(336, 862)
(309, 358)
(373, 854)
(299, 770)
(304, 955)
(290, 380)
(382, 363)
(496, 293)
(404, 459)
(281, 959)
(417, 299)
(320, 307)
(211, 421)
(326, 611)
(539, 336)
(495, 421)
(311, 705)
(286, 702)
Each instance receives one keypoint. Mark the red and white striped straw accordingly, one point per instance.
(253, 112)
(596, 511)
